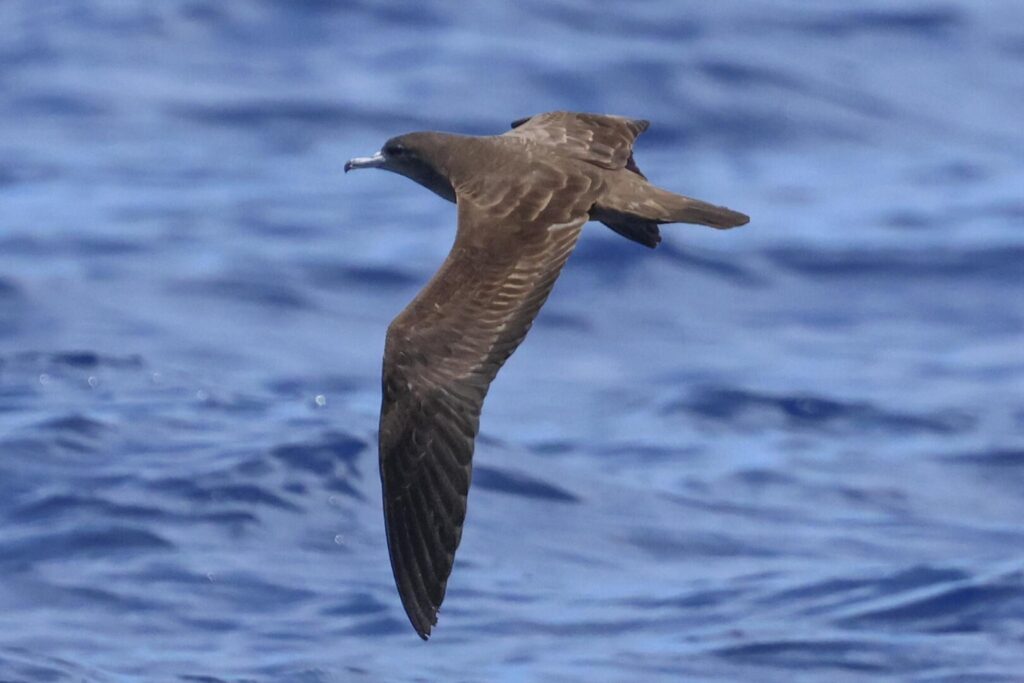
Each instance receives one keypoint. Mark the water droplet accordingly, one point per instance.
(201, 395)
(320, 400)
(339, 539)
(209, 576)
(156, 377)
(44, 379)
(93, 382)
(333, 500)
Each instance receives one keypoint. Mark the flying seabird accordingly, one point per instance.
(522, 198)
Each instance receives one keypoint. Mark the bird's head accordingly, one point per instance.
(417, 156)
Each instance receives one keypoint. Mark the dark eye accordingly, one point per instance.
(396, 150)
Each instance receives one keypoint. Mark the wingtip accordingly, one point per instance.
(422, 620)
(422, 623)
(423, 628)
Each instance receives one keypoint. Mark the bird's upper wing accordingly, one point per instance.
(600, 139)
(443, 351)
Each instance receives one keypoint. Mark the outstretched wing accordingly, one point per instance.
(443, 351)
(600, 139)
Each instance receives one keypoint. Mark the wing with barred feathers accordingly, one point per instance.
(443, 351)
(600, 139)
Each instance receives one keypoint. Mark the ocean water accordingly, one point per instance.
(788, 452)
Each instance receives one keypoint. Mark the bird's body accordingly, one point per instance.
(523, 198)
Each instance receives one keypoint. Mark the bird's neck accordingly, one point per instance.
(454, 160)
(460, 158)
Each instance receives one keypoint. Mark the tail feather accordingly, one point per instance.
(634, 208)
(662, 206)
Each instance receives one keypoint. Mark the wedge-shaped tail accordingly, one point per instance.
(630, 205)
(634, 208)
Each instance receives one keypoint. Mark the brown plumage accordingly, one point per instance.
(523, 198)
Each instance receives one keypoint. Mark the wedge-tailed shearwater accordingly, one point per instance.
(522, 198)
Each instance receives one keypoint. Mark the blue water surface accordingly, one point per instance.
(788, 452)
